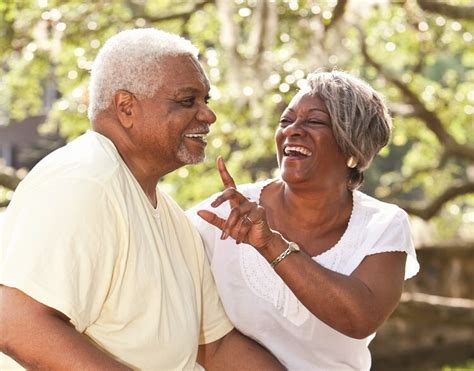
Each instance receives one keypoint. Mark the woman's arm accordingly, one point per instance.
(235, 351)
(354, 305)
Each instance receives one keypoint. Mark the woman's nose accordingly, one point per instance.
(293, 129)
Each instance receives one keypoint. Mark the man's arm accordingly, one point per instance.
(37, 336)
(235, 351)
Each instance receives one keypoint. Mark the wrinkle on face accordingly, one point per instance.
(167, 117)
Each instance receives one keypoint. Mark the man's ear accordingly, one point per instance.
(125, 106)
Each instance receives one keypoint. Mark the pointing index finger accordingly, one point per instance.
(226, 178)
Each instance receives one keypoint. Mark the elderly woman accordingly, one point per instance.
(319, 265)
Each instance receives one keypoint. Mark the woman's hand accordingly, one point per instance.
(247, 220)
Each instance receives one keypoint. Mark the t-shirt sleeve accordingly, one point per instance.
(60, 245)
(214, 322)
(397, 237)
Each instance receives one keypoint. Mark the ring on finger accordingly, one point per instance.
(247, 219)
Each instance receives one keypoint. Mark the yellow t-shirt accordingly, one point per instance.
(81, 236)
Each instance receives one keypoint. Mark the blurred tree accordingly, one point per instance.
(257, 53)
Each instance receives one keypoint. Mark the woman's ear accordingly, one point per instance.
(125, 108)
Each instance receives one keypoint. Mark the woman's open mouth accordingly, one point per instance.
(295, 152)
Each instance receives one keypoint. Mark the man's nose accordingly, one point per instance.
(206, 115)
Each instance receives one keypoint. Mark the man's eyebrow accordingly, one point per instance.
(186, 90)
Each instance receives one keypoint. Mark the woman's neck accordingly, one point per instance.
(313, 208)
(315, 220)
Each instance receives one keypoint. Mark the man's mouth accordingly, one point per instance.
(197, 136)
(296, 151)
(200, 136)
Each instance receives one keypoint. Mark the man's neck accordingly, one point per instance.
(146, 171)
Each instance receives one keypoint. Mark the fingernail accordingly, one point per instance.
(214, 203)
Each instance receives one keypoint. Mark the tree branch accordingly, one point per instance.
(229, 39)
(431, 120)
(337, 13)
(9, 179)
(398, 187)
(444, 309)
(451, 11)
(264, 27)
(169, 16)
(430, 210)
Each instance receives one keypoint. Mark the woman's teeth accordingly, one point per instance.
(296, 150)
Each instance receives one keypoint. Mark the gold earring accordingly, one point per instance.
(352, 163)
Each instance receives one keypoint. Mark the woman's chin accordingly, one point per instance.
(291, 176)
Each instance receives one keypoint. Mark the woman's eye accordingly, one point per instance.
(285, 122)
(316, 122)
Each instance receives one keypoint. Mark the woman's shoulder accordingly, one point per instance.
(254, 190)
(374, 206)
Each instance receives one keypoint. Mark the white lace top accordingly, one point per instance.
(262, 307)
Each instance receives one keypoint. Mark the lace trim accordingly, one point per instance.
(266, 284)
(265, 185)
(331, 258)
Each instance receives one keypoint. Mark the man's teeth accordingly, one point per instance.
(301, 150)
(200, 136)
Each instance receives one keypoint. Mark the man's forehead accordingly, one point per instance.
(184, 74)
(189, 91)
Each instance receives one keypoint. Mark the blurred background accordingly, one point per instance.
(418, 53)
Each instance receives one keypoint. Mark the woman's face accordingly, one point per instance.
(306, 148)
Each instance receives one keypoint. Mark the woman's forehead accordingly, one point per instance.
(308, 99)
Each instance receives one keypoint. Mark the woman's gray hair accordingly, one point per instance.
(130, 60)
(360, 119)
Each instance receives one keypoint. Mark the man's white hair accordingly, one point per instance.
(130, 60)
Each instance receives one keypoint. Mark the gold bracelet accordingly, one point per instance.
(292, 247)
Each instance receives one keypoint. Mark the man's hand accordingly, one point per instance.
(40, 337)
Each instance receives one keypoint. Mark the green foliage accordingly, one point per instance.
(468, 365)
(56, 41)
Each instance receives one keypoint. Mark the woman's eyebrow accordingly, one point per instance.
(318, 109)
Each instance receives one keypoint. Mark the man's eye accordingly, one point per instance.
(188, 102)
(207, 98)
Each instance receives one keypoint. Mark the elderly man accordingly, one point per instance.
(99, 269)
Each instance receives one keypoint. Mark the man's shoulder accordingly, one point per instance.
(88, 157)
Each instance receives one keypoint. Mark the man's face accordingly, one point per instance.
(174, 122)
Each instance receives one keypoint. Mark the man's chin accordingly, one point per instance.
(190, 159)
